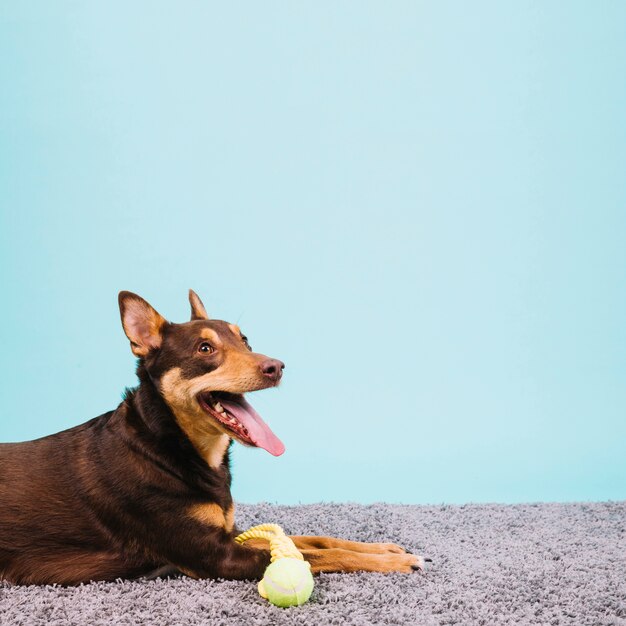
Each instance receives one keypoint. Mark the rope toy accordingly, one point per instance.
(287, 580)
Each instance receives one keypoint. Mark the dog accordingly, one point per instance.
(145, 489)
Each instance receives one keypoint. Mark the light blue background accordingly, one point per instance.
(419, 207)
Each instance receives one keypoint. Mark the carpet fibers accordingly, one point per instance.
(493, 564)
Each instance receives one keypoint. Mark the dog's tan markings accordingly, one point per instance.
(188, 572)
(306, 542)
(236, 330)
(211, 514)
(258, 543)
(339, 560)
(215, 449)
(239, 373)
(208, 333)
(229, 518)
(210, 442)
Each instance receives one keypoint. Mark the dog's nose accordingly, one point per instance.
(273, 369)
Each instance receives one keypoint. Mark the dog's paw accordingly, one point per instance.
(421, 563)
(405, 563)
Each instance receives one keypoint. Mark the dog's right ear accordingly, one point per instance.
(198, 312)
(142, 324)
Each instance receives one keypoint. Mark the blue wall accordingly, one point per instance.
(419, 207)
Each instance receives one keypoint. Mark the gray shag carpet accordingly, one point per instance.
(493, 564)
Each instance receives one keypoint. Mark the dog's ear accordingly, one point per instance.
(142, 324)
(198, 312)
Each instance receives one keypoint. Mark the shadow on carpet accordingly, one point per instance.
(493, 564)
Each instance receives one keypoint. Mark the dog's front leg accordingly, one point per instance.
(341, 560)
(329, 554)
(223, 558)
(314, 542)
(209, 552)
(236, 562)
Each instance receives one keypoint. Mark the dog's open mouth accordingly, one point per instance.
(238, 417)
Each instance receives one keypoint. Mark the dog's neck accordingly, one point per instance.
(159, 420)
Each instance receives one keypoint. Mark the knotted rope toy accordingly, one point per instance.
(287, 580)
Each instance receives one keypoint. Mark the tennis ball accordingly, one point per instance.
(287, 582)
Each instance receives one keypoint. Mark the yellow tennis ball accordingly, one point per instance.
(287, 582)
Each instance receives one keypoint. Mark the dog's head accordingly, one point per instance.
(202, 368)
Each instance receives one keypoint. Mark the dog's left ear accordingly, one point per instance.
(142, 324)
(198, 312)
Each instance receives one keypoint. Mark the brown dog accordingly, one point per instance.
(147, 486)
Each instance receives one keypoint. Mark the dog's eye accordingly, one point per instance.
(245, 340)
(206, 348)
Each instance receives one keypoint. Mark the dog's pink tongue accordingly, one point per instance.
(260, 433)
